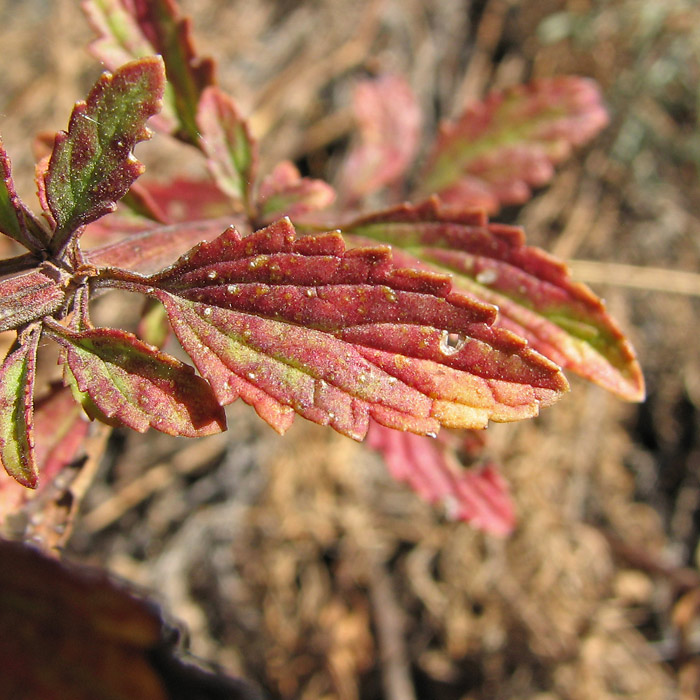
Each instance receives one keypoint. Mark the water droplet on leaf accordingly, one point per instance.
(450, 343)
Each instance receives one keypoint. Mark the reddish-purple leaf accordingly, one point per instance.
(501, 147)
(477, 495)
(286, 193)
(232, 153)
(341, 336)
(183, 199)
(29, 297)
(74, 634)
(92, 165)
(16, 221)
(119, 378)
(17, 410)
(389, 122)
(536, 296)
(133, 28)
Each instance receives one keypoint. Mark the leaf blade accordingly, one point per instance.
(502, 147)
(225, 138)
(341, 336)
(562, 319)
(17, 375)
(120, 378)
(91, 166)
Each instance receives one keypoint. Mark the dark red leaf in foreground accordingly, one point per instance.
(118, 377)
(536, 296)
(73, 634)
(478, 495)
(510, 142)
(92, 165)
(302, 325)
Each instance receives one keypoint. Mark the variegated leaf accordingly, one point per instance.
(120, 379)
(17, 410)
(501, 147)
(302, 325)
(92, 165)
(562, 319)
(225, 138)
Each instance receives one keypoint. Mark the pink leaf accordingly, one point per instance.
(341, 336)
(286, 193)
(562, 319)
(389, 122)
(476, 495)
(501, 147)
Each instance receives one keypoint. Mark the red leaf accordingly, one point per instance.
(117, 377)
(501, 147)
(286, 193)
(91, 166)
(339, 336)
(389, 122)
(232, 153)
(477, 495)
(535, 294)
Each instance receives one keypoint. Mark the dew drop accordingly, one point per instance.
(251, 375)
(310, 292)
(150, 290)
(431, 435)
(212, 275)
(392, 380)
(487, 276)
(207, 311)
(450, 343)
(232, 288)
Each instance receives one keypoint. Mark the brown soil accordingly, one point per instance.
(297, 562)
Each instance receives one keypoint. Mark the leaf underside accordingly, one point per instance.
(92, 165)
(501, 147)
(121, 380)
(537, 299)
(28, 297)
(304, 326)
(17, 411)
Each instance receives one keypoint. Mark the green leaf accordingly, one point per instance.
(17, 410)
(16, 221)
(501, 147)
(226, 140)
(341, 336)
(120, 379)
(537, 299)
(92, 165)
